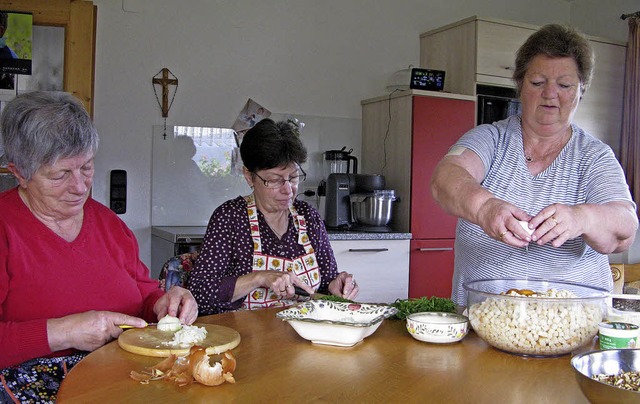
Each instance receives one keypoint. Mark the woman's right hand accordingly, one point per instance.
(282, 283)
(500, 220)
(87, 331)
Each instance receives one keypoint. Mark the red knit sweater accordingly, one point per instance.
(44, 276)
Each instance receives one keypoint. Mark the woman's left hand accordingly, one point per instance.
(177, 302)
(607, 228)
(556, 224)
(344, 286)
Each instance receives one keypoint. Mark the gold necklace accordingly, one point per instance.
(530, 159)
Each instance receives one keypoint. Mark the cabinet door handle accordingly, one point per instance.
(436, 249)
(368, 249)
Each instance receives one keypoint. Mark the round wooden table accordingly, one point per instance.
(274, 364)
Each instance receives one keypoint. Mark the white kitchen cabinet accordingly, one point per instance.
(480, 50)
(380, 267)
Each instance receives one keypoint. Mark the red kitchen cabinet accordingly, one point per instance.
(437, 124)
(404, 136)
(431, 268)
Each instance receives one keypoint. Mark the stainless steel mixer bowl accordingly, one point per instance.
(372, 209)
(610, 362)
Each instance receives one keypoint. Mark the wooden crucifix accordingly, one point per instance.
(165, 81)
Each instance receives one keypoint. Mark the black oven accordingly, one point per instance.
(496, 103)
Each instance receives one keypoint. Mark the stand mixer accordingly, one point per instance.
(358, 202)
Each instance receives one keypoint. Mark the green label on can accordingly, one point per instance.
(608, 342)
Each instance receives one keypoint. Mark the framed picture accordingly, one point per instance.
(15, 44)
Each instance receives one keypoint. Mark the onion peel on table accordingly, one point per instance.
(185, 370)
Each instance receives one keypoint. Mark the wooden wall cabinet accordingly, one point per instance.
(404, 136)
(482, 51)
(381, 267)
(474, 51)
(78, 18)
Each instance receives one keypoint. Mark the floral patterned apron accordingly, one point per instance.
(304, 267)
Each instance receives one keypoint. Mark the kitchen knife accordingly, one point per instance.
(125, 326)
(301, 292)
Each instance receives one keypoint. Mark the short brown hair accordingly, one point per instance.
(555, 41)
(271, 144)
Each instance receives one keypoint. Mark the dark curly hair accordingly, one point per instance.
(271, 144)
(554, 40)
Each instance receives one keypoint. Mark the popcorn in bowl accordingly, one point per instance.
(535, 317)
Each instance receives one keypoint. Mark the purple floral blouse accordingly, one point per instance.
(227, 253)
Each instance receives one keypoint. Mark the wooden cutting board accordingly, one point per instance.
(149, 341)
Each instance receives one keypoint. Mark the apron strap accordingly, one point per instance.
(304, 267)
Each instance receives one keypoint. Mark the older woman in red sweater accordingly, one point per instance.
(69, 267)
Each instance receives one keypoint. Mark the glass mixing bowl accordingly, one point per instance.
(535, 317)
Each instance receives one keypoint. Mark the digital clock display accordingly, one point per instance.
(427, 79)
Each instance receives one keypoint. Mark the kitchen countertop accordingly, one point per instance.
(172, 233)
(359, 235)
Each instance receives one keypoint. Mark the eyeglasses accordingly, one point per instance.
(278, 182)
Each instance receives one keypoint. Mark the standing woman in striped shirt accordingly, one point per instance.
(540, 168)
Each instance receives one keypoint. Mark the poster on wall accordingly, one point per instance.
(251, 113)
(16, 43)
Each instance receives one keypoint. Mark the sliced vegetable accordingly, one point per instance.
(434, 303)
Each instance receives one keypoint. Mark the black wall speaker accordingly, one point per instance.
(118, 191)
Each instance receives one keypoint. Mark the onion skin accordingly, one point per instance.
(209, 375)
(185, 369)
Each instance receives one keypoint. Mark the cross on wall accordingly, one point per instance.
(165, 81)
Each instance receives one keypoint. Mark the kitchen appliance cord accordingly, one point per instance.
(386, 135)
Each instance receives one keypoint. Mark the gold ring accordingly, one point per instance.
(555, 221)
(503, 234)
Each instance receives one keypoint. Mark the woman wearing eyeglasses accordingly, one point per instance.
(258, 247)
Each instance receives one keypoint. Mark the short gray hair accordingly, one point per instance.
(556, 41)
(40, 127)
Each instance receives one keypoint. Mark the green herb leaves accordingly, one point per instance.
(409, 306)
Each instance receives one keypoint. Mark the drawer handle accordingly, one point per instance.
(436, 249)
(368, 249)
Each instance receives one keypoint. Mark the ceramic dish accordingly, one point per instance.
(436, 327)
(335, 323)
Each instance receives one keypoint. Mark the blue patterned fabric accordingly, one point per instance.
(176, 270)
(37, 380)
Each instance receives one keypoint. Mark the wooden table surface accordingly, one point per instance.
(276, 365)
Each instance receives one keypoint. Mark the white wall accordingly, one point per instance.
(602, 18)
(303, 57)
